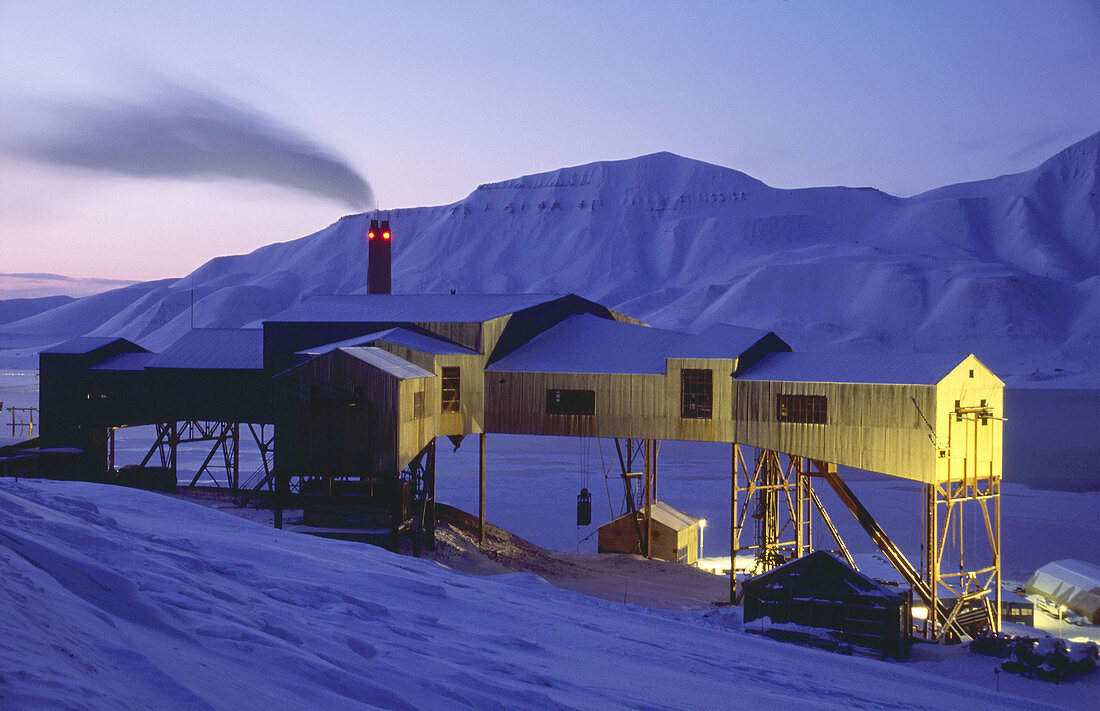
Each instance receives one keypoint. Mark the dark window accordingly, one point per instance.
(418, 405)
(682, 555)
(695, 394)
(810, 409)
(570, 402)
(452, 389)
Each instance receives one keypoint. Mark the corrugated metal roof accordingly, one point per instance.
(898, 369)
(589, 344)
(214, 349)
(409, 308)
(397, 336)
(387, 362)
(83, 344)
(125, 361)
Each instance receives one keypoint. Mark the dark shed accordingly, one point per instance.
(819, 590)
(71, 399)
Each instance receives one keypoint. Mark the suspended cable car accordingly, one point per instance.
(584, 508)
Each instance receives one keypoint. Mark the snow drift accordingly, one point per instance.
(116, 598)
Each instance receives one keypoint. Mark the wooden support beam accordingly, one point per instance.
(735, 538)
(648, 494)
(481, 490)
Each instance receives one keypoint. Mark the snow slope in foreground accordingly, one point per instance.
(116, 598)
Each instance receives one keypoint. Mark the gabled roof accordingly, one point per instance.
(673, 518)
(125, 362)
(387, 362)
(409, 308)
(822, 576)
(721, 340)
(585, 343)
(899, 369)
(397, 336)
(86, 344)
(666, 515)
(214, 349)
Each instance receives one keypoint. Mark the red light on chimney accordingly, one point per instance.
(386, 234)
(370, 235)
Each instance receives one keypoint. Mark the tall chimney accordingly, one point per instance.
(378, 257)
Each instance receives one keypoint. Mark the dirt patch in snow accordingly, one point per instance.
(610, 576)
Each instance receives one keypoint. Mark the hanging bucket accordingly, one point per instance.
(584, 508)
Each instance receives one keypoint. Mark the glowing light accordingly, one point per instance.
(702, 523)
(370, 235)
(386, 235)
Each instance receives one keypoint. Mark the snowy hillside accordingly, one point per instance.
(117, 598)
(1008, 268)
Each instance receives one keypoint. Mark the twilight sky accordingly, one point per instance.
(140, 139)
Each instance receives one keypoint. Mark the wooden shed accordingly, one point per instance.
(353, 411)
(819, 590)
(675, 534)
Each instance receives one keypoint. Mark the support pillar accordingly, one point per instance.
(779, 500)
(429, 508)
(110, 452)
(735, 531)
(481, 489)
(647, 484)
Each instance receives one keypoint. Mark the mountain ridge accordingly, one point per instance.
(1009, 265)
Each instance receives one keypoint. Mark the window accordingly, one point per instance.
(452, 389)
(570, 402)
(808, 409)
(682, 555)
(695, 394)
(418, 405)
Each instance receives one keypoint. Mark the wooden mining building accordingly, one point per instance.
(357, 388)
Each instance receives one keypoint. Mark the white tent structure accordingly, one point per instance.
(1072, 583)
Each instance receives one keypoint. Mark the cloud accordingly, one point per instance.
(177, 131)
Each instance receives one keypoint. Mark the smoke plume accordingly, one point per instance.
(181, 132)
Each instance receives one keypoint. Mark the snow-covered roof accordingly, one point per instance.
(824, 576)
(387, 362)
(1074, 583)
(584, 343)
(666, 515)
(409, 308)
(807, 367)
(673, 518)
(721, 340)
(83, 344)
(397, 336)
(125, 361)
(214, 349)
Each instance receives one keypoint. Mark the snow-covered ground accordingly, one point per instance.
(117, 598)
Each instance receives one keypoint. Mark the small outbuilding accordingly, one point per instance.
(1072, 583)
(820, 590)
(675, 534)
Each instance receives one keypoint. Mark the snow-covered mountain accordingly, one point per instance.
(1008, 268)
